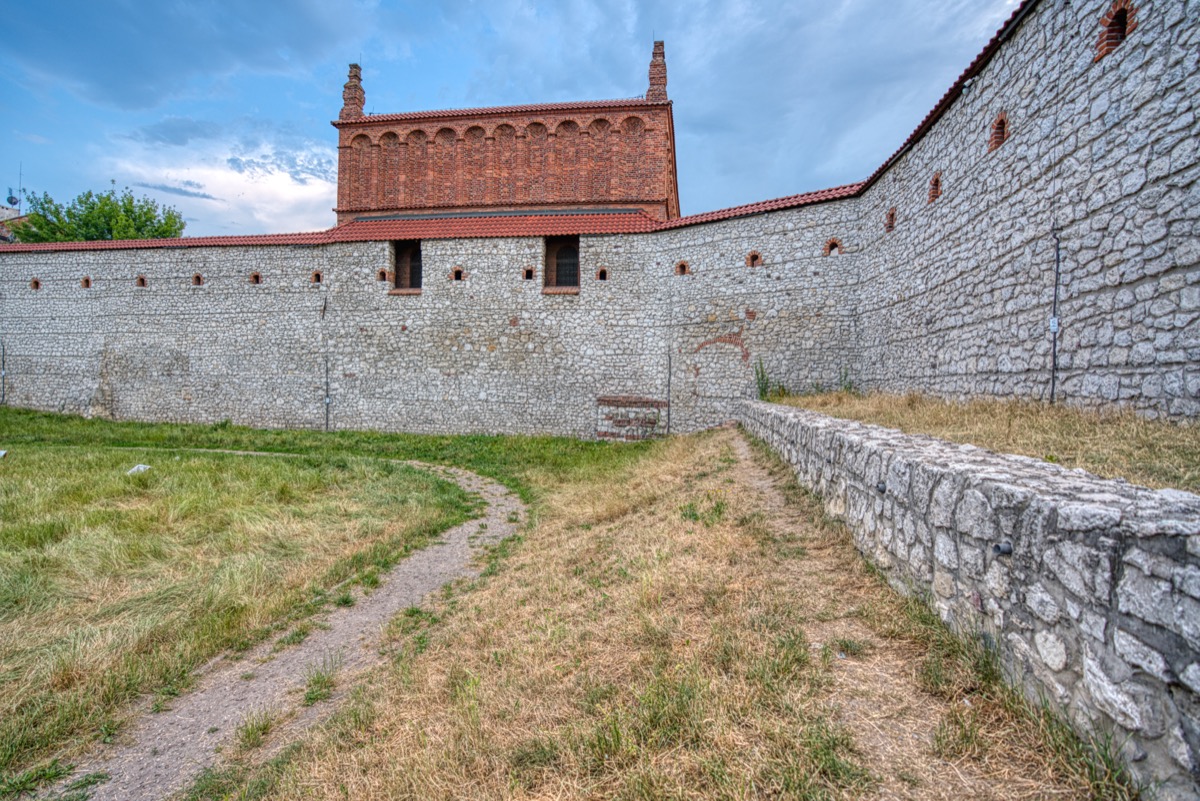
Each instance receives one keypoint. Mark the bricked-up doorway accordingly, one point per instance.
(406, 264)
(562, 261)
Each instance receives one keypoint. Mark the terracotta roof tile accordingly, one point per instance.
(431, 227)
(492, 226)
(532, 108)
(789, 202)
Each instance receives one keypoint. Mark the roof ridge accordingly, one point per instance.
(510, 109)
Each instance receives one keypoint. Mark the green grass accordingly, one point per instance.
(253, 730)
(508, 460)
(319, 680)
(112, 586)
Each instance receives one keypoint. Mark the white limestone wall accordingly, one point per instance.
(956, 301)
(1089, 588)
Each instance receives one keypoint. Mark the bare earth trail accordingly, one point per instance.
(162, 753)
(877, 695)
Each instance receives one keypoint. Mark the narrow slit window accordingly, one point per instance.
(999, 132)
(833, 247)
(316, 277)
(86, 282)
(458, 274)
(382, 275)
(602, 274)
(406, 266)
(683, 268)
(889, 224)
(754, 259)
(528, 274)
(256, 278)
(1116, 26)
(935, 187)
(35, 284)
(140, 282)
(197, 280)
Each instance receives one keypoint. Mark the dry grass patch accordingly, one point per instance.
(680, 630)
(113, 585)
(1152, 453)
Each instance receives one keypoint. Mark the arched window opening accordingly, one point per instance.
(35, 284)
(256, 278)
(86, 282)
(140, 282)
(754, 259)
(889, 224)
(999, 131)
(1115, 27)
(562, 262)
(683, 268)
(833, 247)
(935, 187)
(316, 277)
(458, 274)
(602, 274)
(197, 280)
(382, 275)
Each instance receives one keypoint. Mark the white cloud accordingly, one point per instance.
(267, 189)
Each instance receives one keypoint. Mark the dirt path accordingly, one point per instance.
(875, 695)
(162, 753)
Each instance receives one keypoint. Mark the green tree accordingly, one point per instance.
(91, 216)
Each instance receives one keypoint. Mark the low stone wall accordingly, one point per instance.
(1096, 607)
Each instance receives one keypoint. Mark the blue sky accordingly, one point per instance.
(222, 108)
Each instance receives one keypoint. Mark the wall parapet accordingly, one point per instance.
(1097, 606)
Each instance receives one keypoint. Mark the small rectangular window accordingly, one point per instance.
(562, 261)
(406, 266)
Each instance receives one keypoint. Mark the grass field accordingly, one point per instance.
(691, 627)
(678, 621)
(114, 586)
(1111, 444)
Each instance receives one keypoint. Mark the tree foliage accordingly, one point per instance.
(92, 216)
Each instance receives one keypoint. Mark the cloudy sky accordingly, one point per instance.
(221, 108)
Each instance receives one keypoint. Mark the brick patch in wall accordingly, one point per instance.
(630, 418)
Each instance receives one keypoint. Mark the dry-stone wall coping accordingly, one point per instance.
(1089, 587)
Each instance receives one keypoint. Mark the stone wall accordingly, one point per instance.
(1097, 605)
(957, 299)
(954, 300)
(488, 354)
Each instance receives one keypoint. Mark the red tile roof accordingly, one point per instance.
(366, 230)
(466, 227)
(533, 108)
(749, 209)
(492, 226)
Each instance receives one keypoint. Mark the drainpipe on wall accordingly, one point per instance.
(3, 374)
(1054, 326)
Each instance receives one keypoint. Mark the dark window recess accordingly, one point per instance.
(562, 261)
(406, 264)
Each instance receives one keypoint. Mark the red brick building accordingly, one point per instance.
(601, 155)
